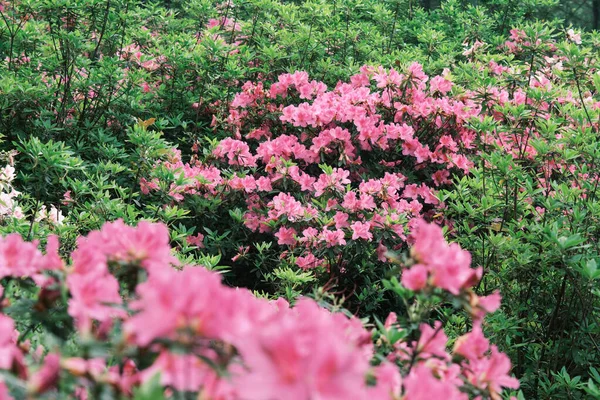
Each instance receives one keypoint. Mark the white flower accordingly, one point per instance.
(7, 173)
(56, 216)
(574, 37)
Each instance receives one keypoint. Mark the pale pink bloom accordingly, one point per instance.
(55, 216)
(420, 384)
(360, 230)
(7, 203)
(473, 345)
(432, 341)
(333, 238)
(146, 186)
(304, 353)
(308, 261)
(42, 214)
(93, 297)
(7, 174)
(18, 213)
(415, 278)
(286, 236)
(172, 301)
(47, 377)
(471, 50)
(574, 37)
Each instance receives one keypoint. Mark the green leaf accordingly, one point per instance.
(151, 390)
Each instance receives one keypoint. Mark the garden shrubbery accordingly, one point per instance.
(308, 199)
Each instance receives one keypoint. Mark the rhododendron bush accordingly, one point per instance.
(298, 173)
(137, 313)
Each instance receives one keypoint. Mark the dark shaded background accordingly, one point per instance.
(581, 13)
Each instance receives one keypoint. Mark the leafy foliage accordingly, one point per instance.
(294, 147)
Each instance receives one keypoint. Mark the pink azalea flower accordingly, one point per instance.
(4, 393)
(491, 372)
(93, 297)
(309, 261)
(146, 244)
(341, 220)
(172, 301)
(181, 371)
(360, 230)
(439, 84)
(197, 240)
(388, 382)
(147, 186)
(432, 341)
(19, 258)
(448, 265)
(286, 236)
(302, 353)
(237, 152)
(333, 238)
(420, 384)
(47, 377)
(415, 278)
(473, 345)
(11, 357)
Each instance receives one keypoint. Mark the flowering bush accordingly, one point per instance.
(533, 227)
(285, 157)
(143, 319)
(337, 178)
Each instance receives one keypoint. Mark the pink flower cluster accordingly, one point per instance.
(439, 264)
(297, 141)
(268, 348)
(93, 286)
